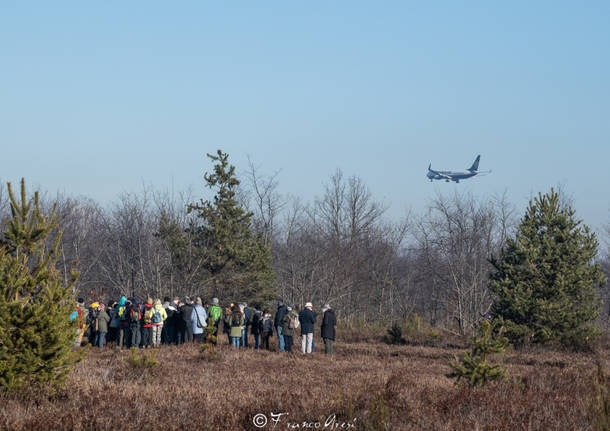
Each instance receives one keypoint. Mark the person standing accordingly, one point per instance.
(307, 319)
(167, 333)
(266, 329)
(247, 320)
(113, 327)
(102, 325)
(237, 322)
(329, 320)
(92, 314)
(279, 316)
(123, 316)
(159, 316)
(187, 310)
(257, 319)
(79, 315)
(215, 315)
(198, 321)
(226, 322)
(147, 323)
(290, 323)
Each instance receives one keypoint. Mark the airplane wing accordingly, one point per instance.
(448, 177)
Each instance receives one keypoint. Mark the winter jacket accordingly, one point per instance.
(257, 320)
(328, 324)
(186, 311)
(237, 322)
(307, 320)
(198, 311)
(226, 323)
(279, 315)
(102, 321)
(170, 311)
(159, 308)
(267, 326)
(247, 316)
(286, 329)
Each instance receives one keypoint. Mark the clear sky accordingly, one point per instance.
(98, 97)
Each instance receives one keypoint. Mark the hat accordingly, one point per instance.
(187, 300)
(81, 301)
(215, 301)
(308, 304)
(289, 308)
(95, 305)
(245, 304)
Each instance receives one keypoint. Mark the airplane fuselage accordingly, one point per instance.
(451, 175)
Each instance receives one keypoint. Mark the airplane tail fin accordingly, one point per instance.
(475, 165)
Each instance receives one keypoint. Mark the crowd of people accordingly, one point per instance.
(132, 323)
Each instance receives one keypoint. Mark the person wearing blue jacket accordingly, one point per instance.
(307, 319)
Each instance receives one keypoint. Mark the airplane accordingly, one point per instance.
(455, 175)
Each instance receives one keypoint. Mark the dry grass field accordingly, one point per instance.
(366, 385)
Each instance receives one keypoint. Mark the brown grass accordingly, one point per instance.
(370, 385)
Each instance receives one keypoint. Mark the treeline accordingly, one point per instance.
(340, 248)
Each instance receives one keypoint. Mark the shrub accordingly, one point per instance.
(36, 334)
(143, 361)
(394, 335)
(600, 404)
(474, 367)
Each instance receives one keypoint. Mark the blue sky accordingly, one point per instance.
(98, 97)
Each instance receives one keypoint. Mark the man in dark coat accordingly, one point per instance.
(279, 316)
(186, 311)
(328, 328)
(307, 319)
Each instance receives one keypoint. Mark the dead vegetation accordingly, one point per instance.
(368, 385)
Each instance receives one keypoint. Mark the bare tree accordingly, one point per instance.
(456, 239)
(268, 203)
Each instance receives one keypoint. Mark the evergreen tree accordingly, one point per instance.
(237, 260)
(545, 281)
(475, 368)
(36, 335)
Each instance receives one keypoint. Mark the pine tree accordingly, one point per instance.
(475, 368)
(545, 281)
(36, 335)
(237, 260)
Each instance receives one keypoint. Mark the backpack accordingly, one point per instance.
(148, 314)
(293, 323)
(123, 313)
(134, 314)
(235, 323)
(215, 312)
(91, 317)
(157, 318)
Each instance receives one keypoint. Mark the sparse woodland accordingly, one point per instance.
(430, 276)
(340, 248)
